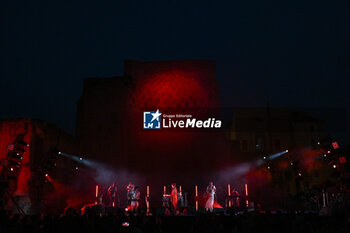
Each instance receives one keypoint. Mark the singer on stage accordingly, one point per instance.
(211, 190)
(173, 197)
(135, 199)
(112, 191)
(130, 192)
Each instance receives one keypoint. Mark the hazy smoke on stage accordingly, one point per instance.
(238, 171)
(105, 175)
(92, 173)
(81, 189)
(247, 172)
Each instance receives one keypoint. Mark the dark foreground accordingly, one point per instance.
(245, 223)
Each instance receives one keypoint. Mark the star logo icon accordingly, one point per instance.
(152, 119)
(156, 115)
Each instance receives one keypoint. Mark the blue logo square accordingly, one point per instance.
(151, 120)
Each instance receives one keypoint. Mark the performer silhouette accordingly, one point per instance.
(211, 190)
(173, 197)
(130, 193)
(135, 199)
(112, 191)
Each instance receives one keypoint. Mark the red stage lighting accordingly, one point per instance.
(48, 178)
(246, 195)
(335, 145)
(96, 193)
(196, 192)
(342, 159)
(229, 194)
(147, 200)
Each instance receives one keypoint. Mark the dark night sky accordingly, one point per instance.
(293, 54)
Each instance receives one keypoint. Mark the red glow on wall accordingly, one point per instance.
(284, 164)
(309, 160)
(173, 89)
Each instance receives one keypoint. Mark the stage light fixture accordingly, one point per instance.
(342, 159)
(19, 149)
(147, 200)
(15, 163)
(276, 155)
(246, 195)
(17, 156)
(80, 158)
(335, 145)
(334, 166)
(196, 193)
